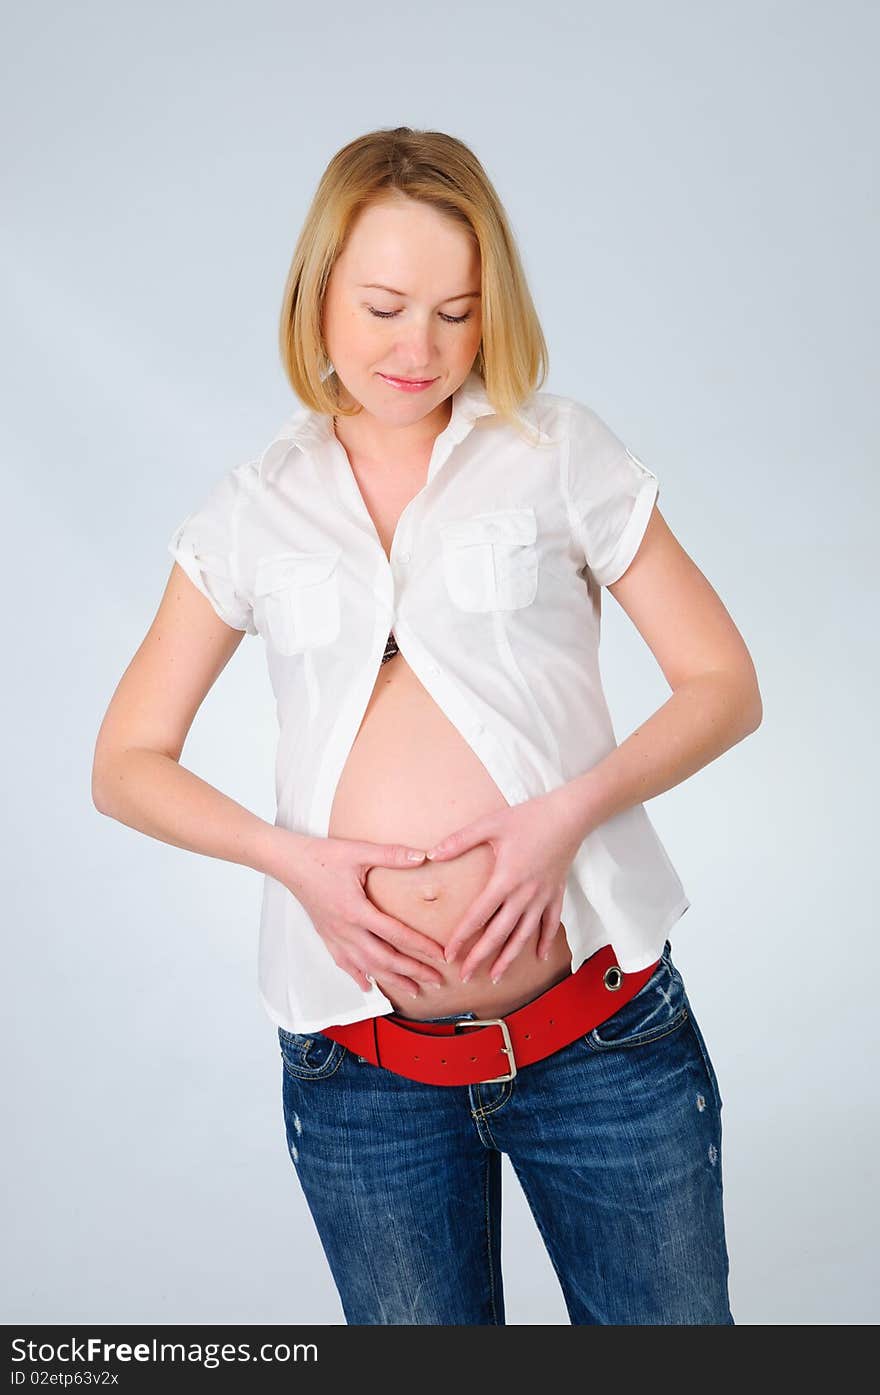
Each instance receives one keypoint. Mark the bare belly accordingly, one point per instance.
(411, 778)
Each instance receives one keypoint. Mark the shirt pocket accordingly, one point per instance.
(296, 599)
(490, 560)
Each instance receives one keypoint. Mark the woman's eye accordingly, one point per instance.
(389, 315)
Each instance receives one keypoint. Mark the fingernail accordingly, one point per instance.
(465, 977)
(414, 856)
(413, 995)
(546, 954)
(497, 980)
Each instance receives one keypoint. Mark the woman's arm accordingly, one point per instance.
(714, 704)
(715, 701)
(136, 775)
(138, 780)
(151, 792)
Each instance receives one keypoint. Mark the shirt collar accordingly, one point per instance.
(306, 427)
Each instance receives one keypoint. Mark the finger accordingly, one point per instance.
(527, 927)
(550, 923)
(399, 964)
(376, 951)
(489, 901)
(396, 983)
(494, 936)
(364, 981)
(390, 983)
(462, 840)
(390, 855)
(401, 936)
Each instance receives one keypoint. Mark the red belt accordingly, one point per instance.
(442, 1053)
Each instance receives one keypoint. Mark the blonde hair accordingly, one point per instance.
(439, 170)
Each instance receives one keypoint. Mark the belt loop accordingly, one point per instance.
(376, 1039)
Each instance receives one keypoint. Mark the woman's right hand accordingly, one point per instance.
(328, 876)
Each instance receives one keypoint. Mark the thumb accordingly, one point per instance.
(461, 841)
(391, 855)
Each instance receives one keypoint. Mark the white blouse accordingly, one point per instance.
(493, 594)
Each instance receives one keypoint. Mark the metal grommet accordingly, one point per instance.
(612, 978)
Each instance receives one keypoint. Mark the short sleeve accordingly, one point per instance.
(205, 545)
(610, 495)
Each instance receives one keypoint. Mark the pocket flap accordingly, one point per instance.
(502, 525)
(285, 569)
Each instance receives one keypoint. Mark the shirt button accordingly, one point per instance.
(404, 556)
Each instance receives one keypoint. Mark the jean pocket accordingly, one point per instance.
(659, 1007)
(309, 1055)
(490, 560)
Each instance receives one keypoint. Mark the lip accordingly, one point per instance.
(408, 384)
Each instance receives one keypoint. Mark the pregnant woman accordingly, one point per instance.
(466, 908)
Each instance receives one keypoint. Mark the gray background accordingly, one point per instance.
(693, 188)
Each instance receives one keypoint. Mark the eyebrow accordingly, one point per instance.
(374, 286)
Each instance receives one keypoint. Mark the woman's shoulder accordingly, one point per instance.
(557, 415)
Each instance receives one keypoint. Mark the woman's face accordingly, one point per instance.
(428, 325)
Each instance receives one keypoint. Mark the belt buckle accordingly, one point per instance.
(507, 1047)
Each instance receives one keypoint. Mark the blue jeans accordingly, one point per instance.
(615, 1140)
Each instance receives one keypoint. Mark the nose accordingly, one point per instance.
(415, 350)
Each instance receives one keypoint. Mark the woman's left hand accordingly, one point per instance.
(534, 845)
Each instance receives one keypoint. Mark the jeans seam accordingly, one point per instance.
(709, 1072)
(323, 1072)
(484, 1110)
(487, 1177)
(642, 1039)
